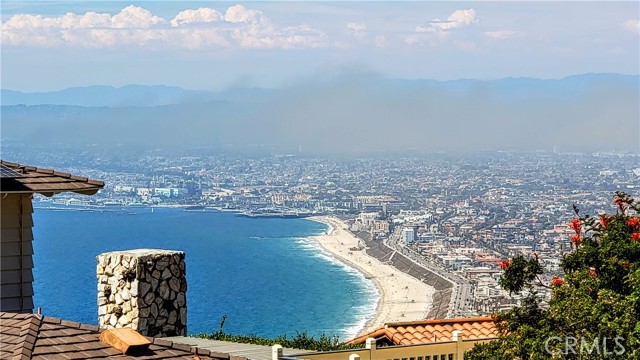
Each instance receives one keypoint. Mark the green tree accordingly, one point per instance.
(594, 312)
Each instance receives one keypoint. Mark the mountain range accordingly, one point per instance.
(130, 95)
(351, 113)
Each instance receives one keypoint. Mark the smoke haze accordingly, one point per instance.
(349, 113)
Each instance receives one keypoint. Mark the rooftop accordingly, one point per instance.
(24, 179)
(249, 351)
(30, 336)
(429, 331)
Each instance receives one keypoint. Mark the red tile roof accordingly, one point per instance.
(429, 331)
(46, 181)
(29, 336)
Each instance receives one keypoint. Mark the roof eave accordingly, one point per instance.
(90, 191)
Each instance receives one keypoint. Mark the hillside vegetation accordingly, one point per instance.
(594, 311)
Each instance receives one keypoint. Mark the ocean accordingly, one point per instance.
(265, 274)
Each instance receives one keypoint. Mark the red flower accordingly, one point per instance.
(634, 222)
(625, 264)
(556, 281)
(593, 273)
(604, 221)
(575, 225)
(505, 264)
(635, 236)
(575, 238)
(618, 201)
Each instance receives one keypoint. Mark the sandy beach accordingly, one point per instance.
(402, 297)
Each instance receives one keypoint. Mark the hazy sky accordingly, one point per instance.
(214, 45)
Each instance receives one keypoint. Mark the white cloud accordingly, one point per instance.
(240, 14)
(129, 17)
(196, 38)
(438, 30)
(192, 29)
(73, 21)
(134, 17)
(199, 16)
(358, 30)
(356, 27)
(132, 25)
(98, 38)
(632, 26)
(457, 19)
(268, 37)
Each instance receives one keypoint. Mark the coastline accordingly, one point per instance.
(401, 297)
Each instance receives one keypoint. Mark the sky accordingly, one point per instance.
(216, 45)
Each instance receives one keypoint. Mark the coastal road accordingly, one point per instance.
(461, 292)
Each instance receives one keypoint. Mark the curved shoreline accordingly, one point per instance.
(370, 323)
(402, 297)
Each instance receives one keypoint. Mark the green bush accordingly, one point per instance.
(597, 304)
(301, 340)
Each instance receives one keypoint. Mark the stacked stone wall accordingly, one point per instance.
(145, 290)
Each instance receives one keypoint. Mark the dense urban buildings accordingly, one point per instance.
(457, 215)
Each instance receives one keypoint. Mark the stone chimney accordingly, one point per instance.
(143, 289)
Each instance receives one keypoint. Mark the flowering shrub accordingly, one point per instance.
(505, 264)
(557, 281)
(599, 297)
(575, 225)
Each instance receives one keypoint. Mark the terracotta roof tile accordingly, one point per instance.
(29, 336)
(420, 336)
(405, 342)
(409, 336)
(427, 331)
(46, 181)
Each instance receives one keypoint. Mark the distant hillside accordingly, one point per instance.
(130, 95)
(585, 112)
(159, 95)
(510, 88)
(197, 123)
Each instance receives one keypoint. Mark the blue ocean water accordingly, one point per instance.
(263, 273)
